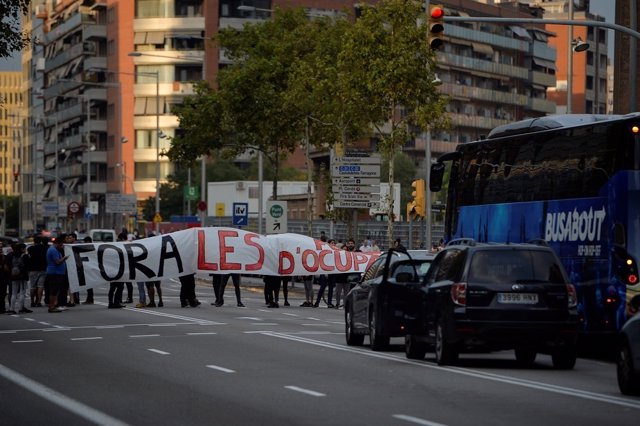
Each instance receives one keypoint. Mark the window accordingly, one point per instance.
(147, 170)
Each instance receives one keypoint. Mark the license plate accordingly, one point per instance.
(518, 298)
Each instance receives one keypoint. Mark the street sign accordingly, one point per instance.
(121, 203)
(354, 181)
(354, 196)
(94, 207)
(191, 193)
(219, 209)
(276, 217)
(356, 170)
(356, 204)
(370, 159)
(240, 214)
(359, 189)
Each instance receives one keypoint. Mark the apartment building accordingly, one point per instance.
(105, 74)
(588, 82)
(11, 107)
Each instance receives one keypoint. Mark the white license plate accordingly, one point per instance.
(518, 298)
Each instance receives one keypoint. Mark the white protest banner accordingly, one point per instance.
(206, 250)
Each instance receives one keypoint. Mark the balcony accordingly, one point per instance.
(476, 66)
(469, 93)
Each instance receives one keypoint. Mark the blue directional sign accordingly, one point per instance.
(240, 214)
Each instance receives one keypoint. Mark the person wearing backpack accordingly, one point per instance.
(17, 263)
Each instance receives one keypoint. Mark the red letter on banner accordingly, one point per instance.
(248, 239)
(202, 263)
(224, 249)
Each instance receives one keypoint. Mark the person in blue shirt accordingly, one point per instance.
(56, 272)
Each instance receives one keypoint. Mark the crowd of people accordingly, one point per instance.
(36, 276)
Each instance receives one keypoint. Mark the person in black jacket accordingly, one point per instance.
(37, 269)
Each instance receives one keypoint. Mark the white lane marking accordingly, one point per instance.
(574, 392)
(162, 325)
(168, 315)
(217, 367)
(201, 334)
(64, 402)
(416, 420)
(27, 341)
(250, 318)
(158, 351)
(86, 338)
(30, 319)
(264, 323)
(315, 325)
(291, 315)
(136, 336)
(305, 391)
(57, 328)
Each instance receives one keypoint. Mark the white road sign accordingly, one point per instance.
(371, 159)
(359, 189)
(356, 170)
(356, 204)
(276, 217)
(354, 181)
(351, 196)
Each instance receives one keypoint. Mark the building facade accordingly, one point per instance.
(105, 74)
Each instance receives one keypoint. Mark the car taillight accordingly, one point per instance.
(459, 293)
(572, 296)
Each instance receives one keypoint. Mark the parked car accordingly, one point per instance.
(628, 357)
(377, 305)
(496, 297)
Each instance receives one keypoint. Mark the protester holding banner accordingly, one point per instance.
(56, 273)
(152, 288)
(188, 291)
(235, 278)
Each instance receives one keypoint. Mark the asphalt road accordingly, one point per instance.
(260, 366)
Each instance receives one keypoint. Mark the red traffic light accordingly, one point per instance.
(437, 12)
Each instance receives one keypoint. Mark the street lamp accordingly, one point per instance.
(203, 160)
(156, 75)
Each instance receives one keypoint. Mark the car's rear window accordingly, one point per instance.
(513, 266)
(421, 267)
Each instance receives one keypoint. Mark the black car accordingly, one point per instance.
(488, 297)
(378, 305)
(628, 357)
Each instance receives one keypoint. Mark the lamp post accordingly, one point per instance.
(159, 135)
(203, 160)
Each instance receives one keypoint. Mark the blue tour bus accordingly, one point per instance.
(570, 180)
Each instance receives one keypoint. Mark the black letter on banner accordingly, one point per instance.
(77, 250)
(101, 249)
(164, 254)
(134, 261)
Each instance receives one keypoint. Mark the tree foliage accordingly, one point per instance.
(393, 70)
(12, 38)
(324, 81)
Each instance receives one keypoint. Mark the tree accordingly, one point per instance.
(12, 38)
(393, 71)
(405, 174)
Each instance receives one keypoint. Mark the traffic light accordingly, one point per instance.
(416, 206)
(436, 26)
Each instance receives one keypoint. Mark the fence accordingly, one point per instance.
(411, 235)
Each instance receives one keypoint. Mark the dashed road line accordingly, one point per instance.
(139, 336)
(217, 367)
(86, 338)
(305, 391)
(158, 351)
(416, 420)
